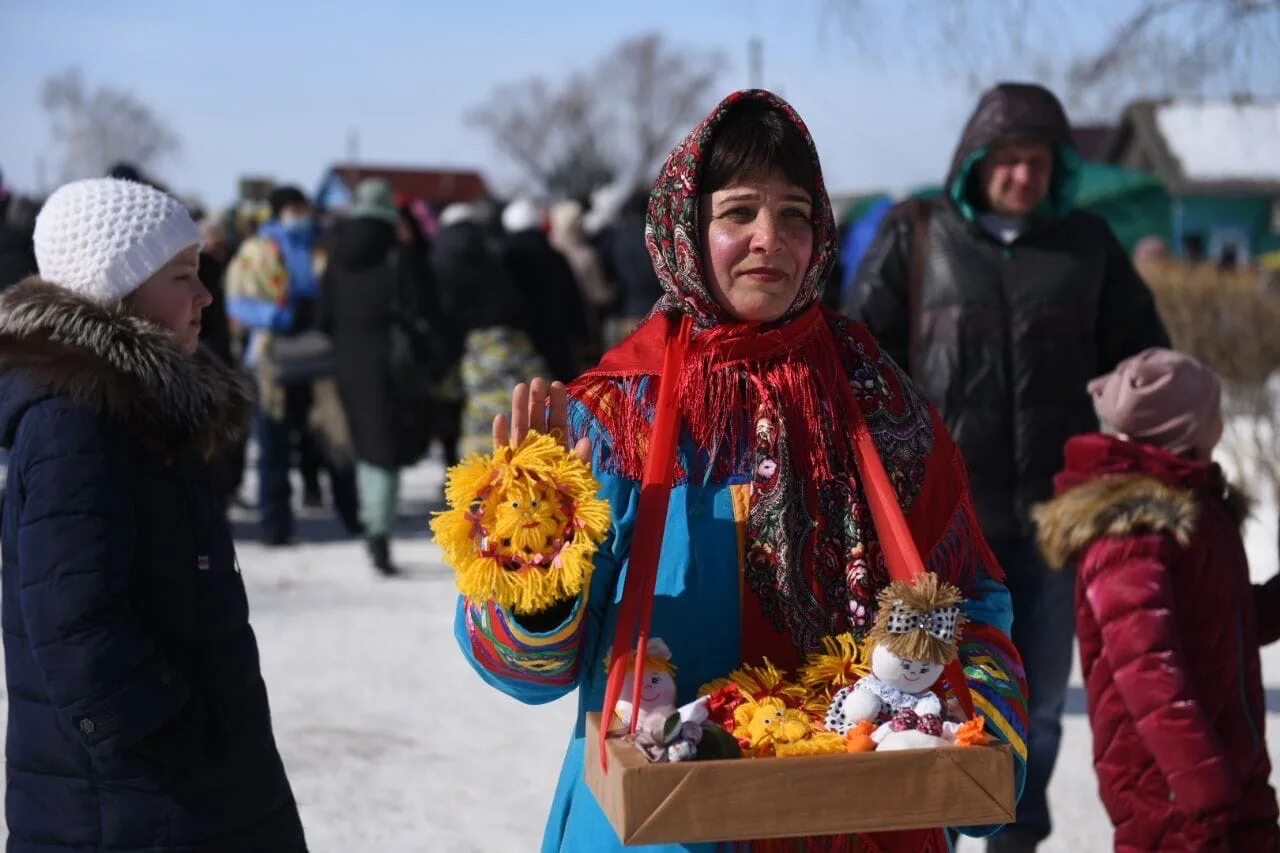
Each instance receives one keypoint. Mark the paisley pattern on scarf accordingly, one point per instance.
(897, 413)
(779, 525)
(840, 543)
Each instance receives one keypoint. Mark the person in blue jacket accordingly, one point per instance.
(138, 717)
(768, 546)
(273, 288)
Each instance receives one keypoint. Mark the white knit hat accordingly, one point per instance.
(103, 237)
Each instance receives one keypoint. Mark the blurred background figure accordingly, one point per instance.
(272, 286)
(1150, 249)
(554, 316)
(630, 266)
(486, 312)
(599, 295)
(377, 303)
(17, 223)
(227, 466)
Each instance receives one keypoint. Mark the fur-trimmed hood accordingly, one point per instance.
(53, 342)
(1118, 488)
(1116, 505)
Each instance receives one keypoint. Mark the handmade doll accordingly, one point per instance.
(915, 638)
(658, 705)
(523, 525)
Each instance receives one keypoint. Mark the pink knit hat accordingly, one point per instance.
(1160, 397)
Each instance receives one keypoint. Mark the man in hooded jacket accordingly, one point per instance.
(1003, 301)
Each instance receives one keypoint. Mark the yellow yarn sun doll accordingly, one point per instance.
(523, 524)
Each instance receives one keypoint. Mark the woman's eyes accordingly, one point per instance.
(744, 215)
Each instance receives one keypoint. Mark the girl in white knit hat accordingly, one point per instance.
(138, 718)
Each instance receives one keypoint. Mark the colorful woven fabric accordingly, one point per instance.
(998, 683)
(504, 648)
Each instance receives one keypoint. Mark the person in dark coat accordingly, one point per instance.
(17, 256)
(373, 285)
(475, 293)
(486, 315)
(556, 318)
(1168, 635)
(227, 465)
(1019, 300)
(629, 264)
(138, 718)
(272, 285)
(1266, 597)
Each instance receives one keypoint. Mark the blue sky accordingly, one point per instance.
(273, 88)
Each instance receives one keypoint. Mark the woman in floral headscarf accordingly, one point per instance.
(768, 545)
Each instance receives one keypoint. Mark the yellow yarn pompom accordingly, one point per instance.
(759, 682)
(818, 743)
(523, 524)
(841, 663)
(766, 725)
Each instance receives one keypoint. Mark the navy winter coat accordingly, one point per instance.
(138, 717)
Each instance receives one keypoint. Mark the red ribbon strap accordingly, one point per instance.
(636, 609)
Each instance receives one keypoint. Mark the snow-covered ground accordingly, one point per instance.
(393, 744)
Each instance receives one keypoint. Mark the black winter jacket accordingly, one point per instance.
(1009, 335)
(556, 319)
(17, 255)
(389, 427)
(475, 292)
(138, 718)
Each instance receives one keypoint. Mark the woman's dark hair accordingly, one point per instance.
(753, 141)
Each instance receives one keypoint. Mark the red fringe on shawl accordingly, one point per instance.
(796, 368)
(790, 369)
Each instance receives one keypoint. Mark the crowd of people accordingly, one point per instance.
(1050, 452)
(476, 295)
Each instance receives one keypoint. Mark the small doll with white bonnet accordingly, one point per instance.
(657, 707)
(915, 636)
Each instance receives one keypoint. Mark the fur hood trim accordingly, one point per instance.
(125, 367)
(1119, 505)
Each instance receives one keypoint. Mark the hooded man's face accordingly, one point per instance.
(1016, 176)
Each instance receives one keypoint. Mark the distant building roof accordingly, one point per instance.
(1203, 147)
(436, 186)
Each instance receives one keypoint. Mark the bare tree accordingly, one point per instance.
(101, 128)
(1193, 40)
(656, 91)
(1098, 54)
(554, 134)
(610, 122)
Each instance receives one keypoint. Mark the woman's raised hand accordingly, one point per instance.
(530, 413)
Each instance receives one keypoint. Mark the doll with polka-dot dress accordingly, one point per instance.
(915, 637)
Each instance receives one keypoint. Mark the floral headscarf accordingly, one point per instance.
(672, 229)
